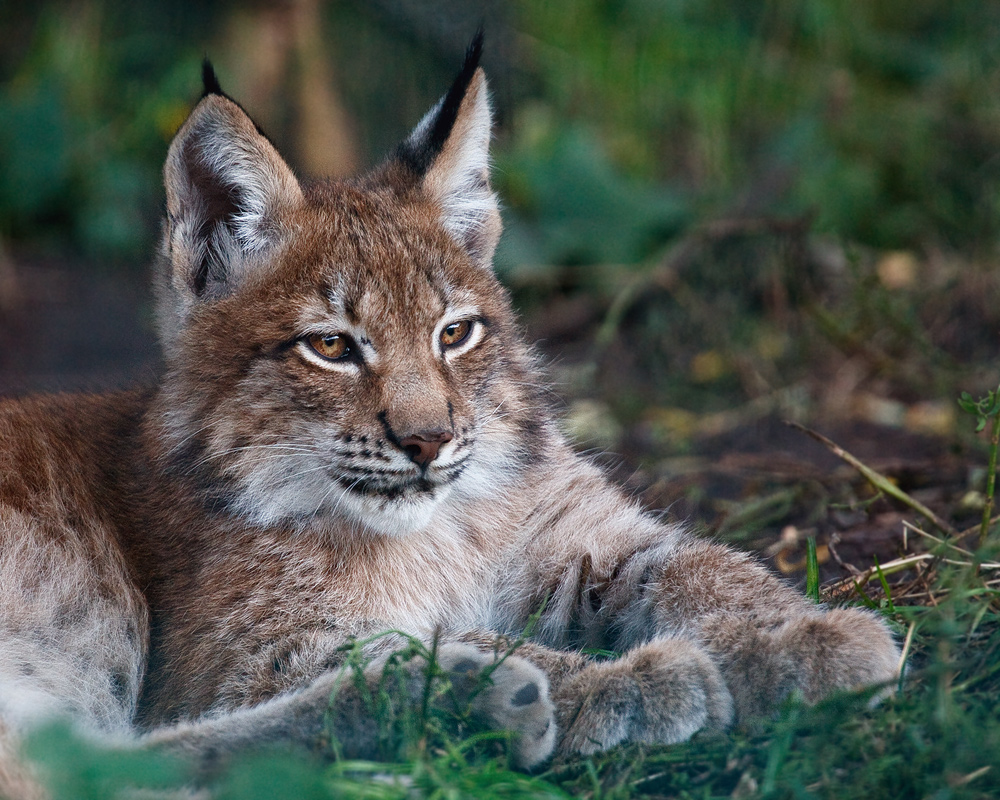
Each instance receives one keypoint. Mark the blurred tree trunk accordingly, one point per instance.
(287, 81)
(9, 291)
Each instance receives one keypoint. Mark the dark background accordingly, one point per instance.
(719, 216)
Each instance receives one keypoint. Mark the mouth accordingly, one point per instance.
(391, 485)
(387, 491)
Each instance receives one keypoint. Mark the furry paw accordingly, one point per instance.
(845, 648)
(813, 656)
(662, 692)
(515, 698)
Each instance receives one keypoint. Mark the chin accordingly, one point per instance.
(396, 516)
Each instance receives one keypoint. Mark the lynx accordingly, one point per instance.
(351, 436)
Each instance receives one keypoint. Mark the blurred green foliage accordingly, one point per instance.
(631, 118)
(574, 207)
(82, 137)
(883, 118)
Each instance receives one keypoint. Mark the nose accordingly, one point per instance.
(423, 447)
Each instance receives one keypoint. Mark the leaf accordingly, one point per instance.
(967, 404)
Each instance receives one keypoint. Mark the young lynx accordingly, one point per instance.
(349, 437)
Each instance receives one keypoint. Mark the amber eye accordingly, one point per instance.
(334, 347)
(456, 333)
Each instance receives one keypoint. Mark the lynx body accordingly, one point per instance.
(350, 436)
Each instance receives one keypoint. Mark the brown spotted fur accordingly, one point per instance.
(183, 560)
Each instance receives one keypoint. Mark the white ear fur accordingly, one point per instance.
(226, 186)
(458, 179)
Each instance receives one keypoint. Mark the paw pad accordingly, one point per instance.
(514, 699)
(465, 665)
(526, 695)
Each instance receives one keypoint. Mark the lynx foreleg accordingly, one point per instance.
(767, 640)
(17, 779)
(337, 706)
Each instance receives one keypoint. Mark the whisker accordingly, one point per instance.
(340, 500)
(494, 412)
(281, 447)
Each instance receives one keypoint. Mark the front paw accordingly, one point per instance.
(845, 649)
(811, 656)
(662, 692)
(515, 698)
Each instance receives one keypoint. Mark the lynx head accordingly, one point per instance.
(340, 352)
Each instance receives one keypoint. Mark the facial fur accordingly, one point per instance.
(279, 434)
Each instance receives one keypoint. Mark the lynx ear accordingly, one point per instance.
(226, 188)
(449, 152)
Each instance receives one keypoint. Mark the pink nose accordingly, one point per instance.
(423, 447)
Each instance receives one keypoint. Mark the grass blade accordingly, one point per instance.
(812, 570)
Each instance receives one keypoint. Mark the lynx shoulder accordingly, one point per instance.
(350, 435)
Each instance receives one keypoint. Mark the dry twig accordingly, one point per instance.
(876, 479)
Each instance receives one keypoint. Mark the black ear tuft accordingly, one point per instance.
(419, 154)
(208, 79)
(211, 86)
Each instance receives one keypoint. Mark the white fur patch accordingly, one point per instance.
(68, 649)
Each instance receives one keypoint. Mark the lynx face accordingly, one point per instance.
(335, 351)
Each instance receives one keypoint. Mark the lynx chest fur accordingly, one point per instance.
(351, 436)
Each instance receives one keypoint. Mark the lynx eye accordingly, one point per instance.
(333, 347)
(456, 333)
